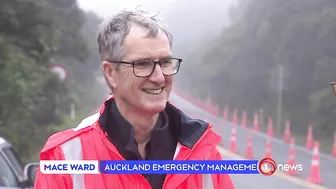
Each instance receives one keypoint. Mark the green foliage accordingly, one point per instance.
(35, 34)
(240, 67)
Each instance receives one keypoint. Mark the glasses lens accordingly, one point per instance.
(145, 68)
(170, 66)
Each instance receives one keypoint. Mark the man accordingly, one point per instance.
(137, 122)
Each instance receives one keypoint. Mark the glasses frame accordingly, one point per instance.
(333, 84)
(155, 63)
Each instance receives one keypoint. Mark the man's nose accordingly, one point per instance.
(157, 75)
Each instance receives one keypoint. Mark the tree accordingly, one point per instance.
(240, 67)
(35, 34)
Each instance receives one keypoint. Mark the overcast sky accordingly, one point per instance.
(106, 8)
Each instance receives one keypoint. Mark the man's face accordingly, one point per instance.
(145, 94)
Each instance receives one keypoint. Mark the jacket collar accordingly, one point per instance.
(188, 131)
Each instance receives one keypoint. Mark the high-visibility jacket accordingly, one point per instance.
(88, 142)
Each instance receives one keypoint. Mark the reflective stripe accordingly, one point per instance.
(315, 151)
(207, 180)
(72, 150)
(315, 162)
(2, 140)
(87, 122)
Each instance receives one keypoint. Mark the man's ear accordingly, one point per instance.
(109, 72)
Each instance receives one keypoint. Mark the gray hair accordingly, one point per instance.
(112, 32)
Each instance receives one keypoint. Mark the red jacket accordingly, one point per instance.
(88, 142)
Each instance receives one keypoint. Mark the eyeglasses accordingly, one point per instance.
(333, 84)
(145, 68)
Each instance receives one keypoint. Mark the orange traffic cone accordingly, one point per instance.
(226, 111)
(270, 127)
(287, 137)
(208, 106)
(309, 144)
(268, 153)
(244, 119)
(333, 154)
(291, 161)
(249, 150)
(235, 117)
(233, 142)
(315, 176)
(256, 122)
(216, 110)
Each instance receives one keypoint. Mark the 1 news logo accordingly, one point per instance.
(267, 166)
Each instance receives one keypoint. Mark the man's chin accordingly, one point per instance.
(155, 107)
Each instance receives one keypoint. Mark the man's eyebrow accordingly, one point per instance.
(146, 59)
(140, 59)
(165, 57)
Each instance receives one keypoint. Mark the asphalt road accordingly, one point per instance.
(280, 152)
